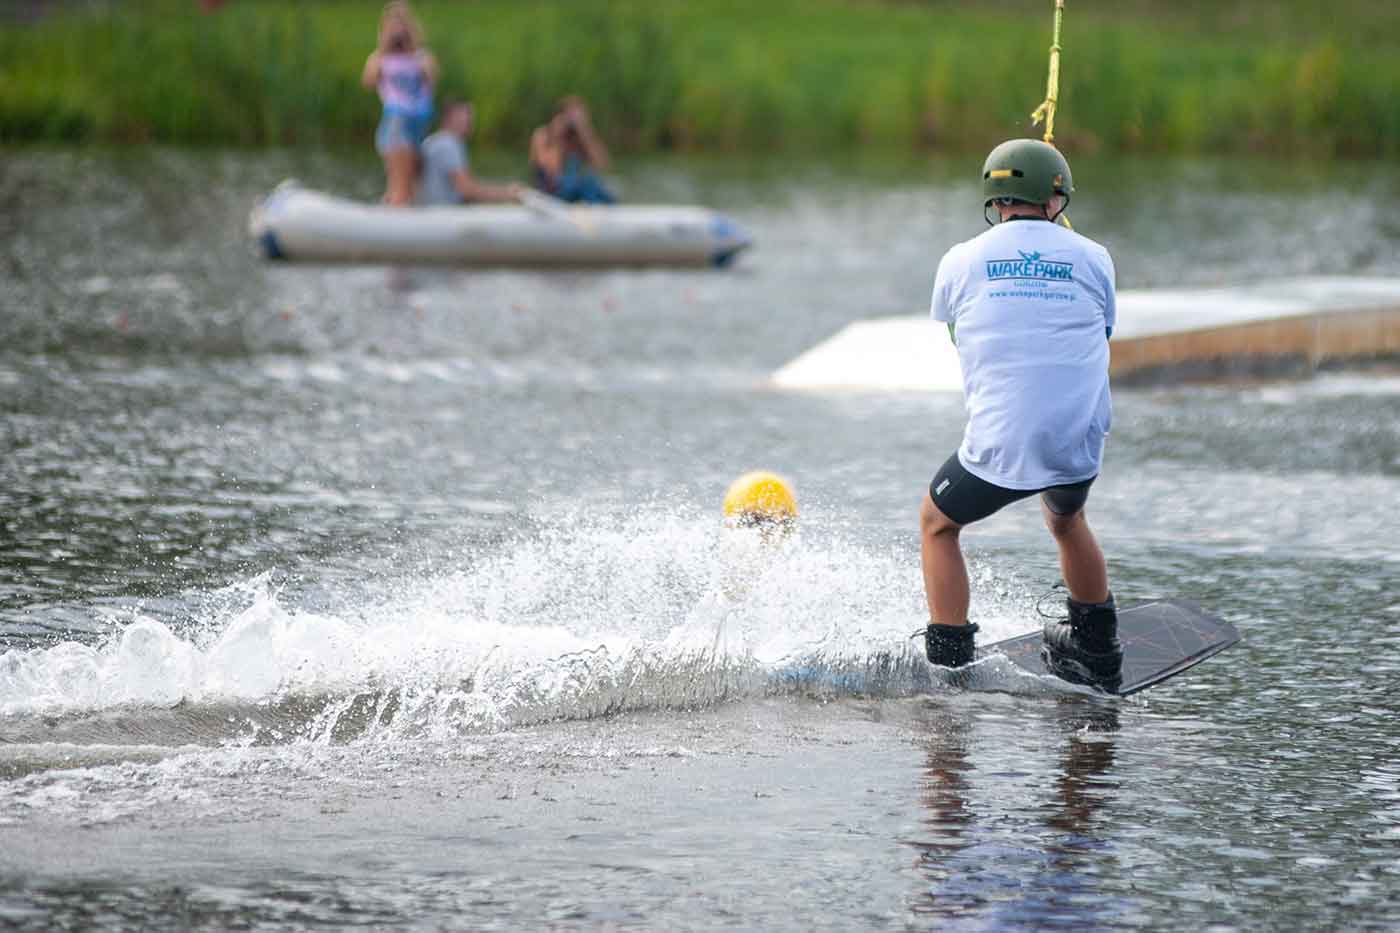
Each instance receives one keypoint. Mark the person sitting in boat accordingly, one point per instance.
(566, 153)
(403, 72)
(447, 177)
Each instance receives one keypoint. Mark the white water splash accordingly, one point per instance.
(583, 619)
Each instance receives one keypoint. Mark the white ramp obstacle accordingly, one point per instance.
(1174, 333)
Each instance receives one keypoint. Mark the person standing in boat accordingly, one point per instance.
(566, 154)
(1030, 305)
(403, 72)
(447, 177)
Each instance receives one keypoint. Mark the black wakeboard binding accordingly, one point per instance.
(950, 645)
(1084, 648)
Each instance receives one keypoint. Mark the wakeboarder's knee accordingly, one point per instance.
(1063, 525)
(932, 521)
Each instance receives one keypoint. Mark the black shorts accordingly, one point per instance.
(965, 498)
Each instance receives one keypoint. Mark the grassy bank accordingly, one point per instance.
(1179, 76)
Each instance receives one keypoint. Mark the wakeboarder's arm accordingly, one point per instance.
(1110, 302)
(942, 307)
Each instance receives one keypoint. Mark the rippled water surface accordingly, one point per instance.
(397, 598)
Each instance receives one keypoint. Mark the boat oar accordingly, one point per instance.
(553, 208)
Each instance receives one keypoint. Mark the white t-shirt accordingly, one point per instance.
(1031, 303)
(444, 155)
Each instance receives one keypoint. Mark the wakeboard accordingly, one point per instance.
(1160, 639)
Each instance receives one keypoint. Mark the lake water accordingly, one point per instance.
(356, 597)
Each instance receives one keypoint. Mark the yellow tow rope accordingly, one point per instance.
(1046, 110)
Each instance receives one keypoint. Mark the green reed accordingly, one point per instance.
(1184, 77)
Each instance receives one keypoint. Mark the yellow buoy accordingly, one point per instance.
(760, 498)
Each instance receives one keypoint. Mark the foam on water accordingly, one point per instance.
(582, 619)
(1331, 385)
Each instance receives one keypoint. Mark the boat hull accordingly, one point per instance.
(301, 225)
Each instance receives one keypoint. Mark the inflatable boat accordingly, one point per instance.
(298, 224)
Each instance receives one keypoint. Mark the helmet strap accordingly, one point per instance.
(1064, 207)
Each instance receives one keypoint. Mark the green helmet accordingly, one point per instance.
(1027, 170)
